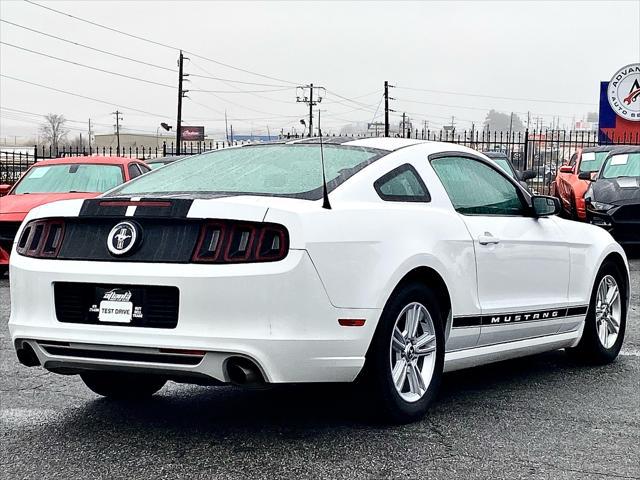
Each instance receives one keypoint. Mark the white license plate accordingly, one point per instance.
(116, 312)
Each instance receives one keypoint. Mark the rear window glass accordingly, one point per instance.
(73, 177)
(274, 170)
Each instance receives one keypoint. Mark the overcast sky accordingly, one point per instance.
(528, 51)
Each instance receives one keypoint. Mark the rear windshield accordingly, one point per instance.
(622, 165)
(273, 170)
(73, 177)
(592, 161)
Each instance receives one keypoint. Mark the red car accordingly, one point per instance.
(59, 179)
(569, 188)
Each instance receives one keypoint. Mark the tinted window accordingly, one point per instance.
(134, 171)
(504, 164)
(477, 189)
(622, 165)
(143, 168)
(402, 184)
(70, 178)
(280, 170)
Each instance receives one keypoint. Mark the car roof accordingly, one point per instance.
(624, 149)
(381, 143)
(600, 148)
(85, 159)
(496, 155)
(168, 158)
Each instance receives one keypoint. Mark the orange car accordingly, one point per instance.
(569, 188)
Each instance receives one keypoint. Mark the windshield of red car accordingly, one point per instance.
(74, 177)
(592, 161)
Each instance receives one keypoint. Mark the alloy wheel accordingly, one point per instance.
(608, 311)
(413, 352)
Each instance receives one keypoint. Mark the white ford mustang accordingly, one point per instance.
(243, 266)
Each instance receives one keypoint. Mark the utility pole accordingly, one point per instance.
(510, 125)
(181, 94)
(386, 108)
(301, 97)
(117, 125)
(89, 135)
(403, 120)
(226, 125)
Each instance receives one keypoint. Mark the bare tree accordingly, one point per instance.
(53, 130)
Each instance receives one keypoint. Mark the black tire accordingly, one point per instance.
(590, 350)
(377, 376)
(123, 385)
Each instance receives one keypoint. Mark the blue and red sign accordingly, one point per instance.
(619, 120)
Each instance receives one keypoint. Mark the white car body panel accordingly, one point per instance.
(343, 263)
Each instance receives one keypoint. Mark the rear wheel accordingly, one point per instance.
(406, 357)
(606, 318)
(123, 385)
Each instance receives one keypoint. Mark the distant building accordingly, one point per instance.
(131, 140)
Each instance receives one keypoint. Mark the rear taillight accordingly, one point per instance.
(41, 238)
(241, 242)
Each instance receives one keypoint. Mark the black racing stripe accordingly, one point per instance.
(577, 311)
(518, 317)
(460, 322)
(92, 208)
(179, 208)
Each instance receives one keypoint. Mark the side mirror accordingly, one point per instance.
(544, 206)
(4, 189)
(528, 175)
(584, 176)
(566, 169)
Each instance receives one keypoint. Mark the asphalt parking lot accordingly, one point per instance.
(539, 417)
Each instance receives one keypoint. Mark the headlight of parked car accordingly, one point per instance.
(602, 206)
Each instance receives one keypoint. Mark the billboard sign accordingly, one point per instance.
(619, 118)
(192, 134)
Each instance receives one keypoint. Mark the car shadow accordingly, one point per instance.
(301, 410)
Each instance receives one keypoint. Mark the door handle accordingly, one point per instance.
(488, 239)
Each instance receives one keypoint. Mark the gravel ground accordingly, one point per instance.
(539, 417)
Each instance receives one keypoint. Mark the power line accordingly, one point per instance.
(153, 42)
(136, 60)
(495, 96)
(83, 96)
(78, 44)
(88, 66)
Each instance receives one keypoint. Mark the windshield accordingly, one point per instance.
(622, 165)
(74, 177)
(275, 170)
(592, 161)
(504, 164)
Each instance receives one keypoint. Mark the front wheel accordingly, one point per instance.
(122, 385)
(606, 319)
(406, 357)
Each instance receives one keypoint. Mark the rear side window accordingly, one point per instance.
(134, 171)
(402, 184)
(477, 189)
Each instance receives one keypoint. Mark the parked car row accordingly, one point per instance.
(601, 185)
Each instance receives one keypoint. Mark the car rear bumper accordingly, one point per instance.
(276, 314)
